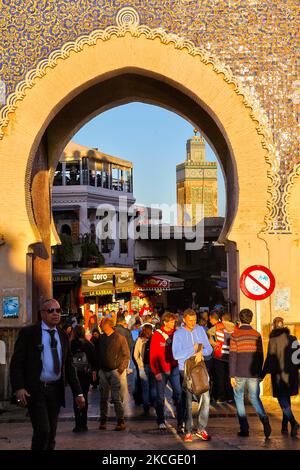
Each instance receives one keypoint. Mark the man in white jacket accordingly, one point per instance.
(185, 345)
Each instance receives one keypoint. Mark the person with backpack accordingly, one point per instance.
(165, 369)
(219, 338)
(84, 361)
(142, 358)
(187, 340)
(281, 362)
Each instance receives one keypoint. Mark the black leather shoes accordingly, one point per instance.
(294, 430)
(84, 429)
(266, 425)
(284, 427)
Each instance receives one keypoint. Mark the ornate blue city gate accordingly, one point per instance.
(229, 66)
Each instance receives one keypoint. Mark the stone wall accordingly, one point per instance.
(9, 336)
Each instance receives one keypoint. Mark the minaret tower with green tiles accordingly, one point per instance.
(196, 183)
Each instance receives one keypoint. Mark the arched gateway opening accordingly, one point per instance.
(94, 75)
(123, 87)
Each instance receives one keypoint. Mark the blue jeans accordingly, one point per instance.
(285, 405)
(174, 378)
(148, 386)
(254, 391)
(203, 409)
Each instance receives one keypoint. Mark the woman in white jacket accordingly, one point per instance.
(142, 358)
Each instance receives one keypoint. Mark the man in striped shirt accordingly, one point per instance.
(245, 367)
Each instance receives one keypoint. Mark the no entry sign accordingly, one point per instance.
(257, 282)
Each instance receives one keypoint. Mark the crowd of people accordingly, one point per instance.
(151, 350)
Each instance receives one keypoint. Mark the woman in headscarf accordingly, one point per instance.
(282, 362)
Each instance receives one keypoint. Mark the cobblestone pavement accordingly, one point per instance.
(142, 434)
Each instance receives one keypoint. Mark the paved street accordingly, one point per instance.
(15, 431)
(144, 436)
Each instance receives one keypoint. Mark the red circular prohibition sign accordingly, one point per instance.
(257, 282)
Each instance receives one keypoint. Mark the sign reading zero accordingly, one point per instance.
(257, 282)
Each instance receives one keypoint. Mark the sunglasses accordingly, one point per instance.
(52, 310)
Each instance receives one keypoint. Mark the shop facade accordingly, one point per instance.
(105, 288)
(156, 291)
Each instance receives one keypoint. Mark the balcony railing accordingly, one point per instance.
(84, 173)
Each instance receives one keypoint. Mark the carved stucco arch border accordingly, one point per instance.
(286, 198)
(128, 21)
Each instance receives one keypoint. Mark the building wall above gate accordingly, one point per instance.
(255, 38)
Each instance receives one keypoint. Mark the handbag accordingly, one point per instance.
(196, 378)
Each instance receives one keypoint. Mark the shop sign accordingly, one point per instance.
(154, 283)
(97, 283)
(157, 283)
(93, 293)
(63, 278)
(124, 281)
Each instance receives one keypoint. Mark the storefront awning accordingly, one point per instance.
(161, 283)
(107, 281)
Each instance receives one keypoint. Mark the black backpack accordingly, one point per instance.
(80, 362)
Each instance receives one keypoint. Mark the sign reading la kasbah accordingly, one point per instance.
(93, 293)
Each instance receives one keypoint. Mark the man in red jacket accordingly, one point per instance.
(165, 368)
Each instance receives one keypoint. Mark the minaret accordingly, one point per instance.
(195, 149)
(197, 184)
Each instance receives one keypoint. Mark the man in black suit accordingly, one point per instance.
(40, 367)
